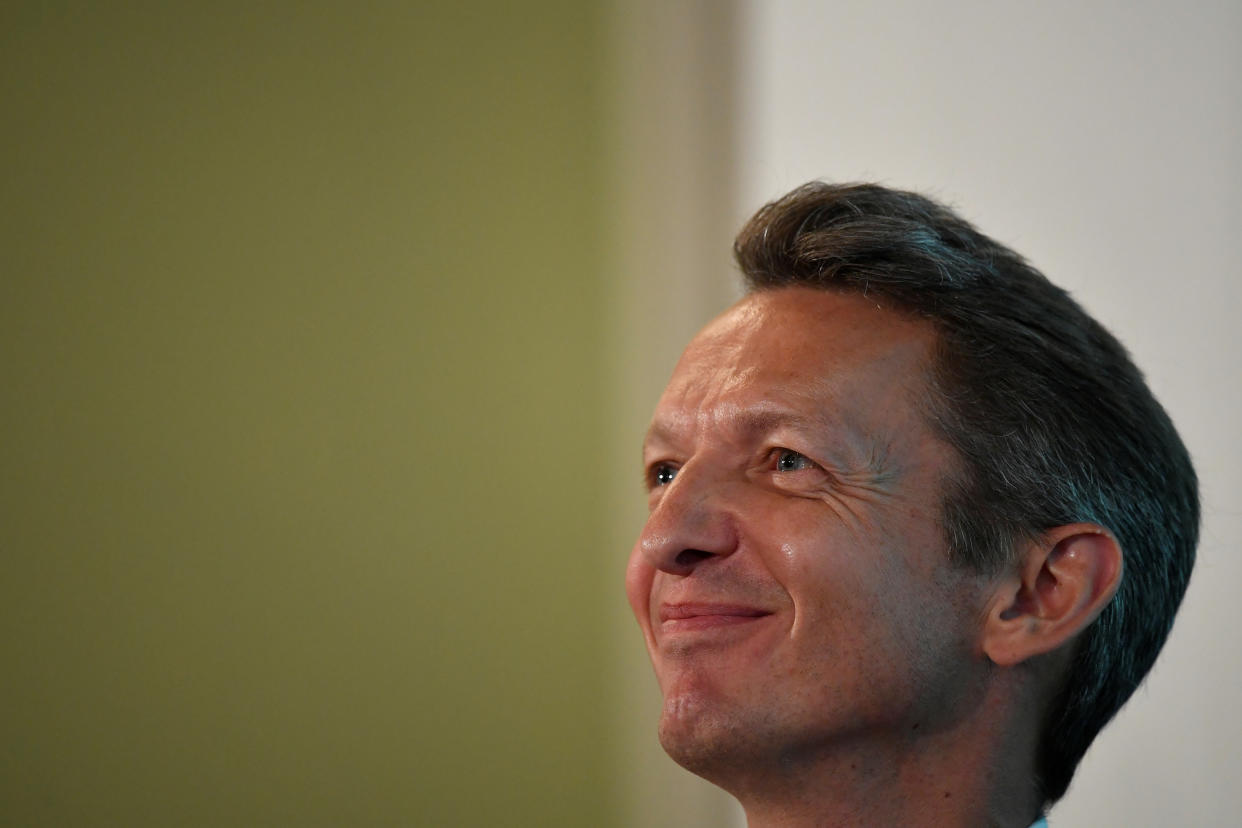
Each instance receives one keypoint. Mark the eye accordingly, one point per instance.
(661, 474)
(788, 460)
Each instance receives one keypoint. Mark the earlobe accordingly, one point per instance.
(1061, 584)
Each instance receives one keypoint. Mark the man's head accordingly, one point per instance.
(873, 463)
(791, 578)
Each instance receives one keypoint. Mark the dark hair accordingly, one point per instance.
(1050, 417)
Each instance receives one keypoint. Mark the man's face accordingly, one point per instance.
(792, 581)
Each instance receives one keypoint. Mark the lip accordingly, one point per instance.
(705, 616)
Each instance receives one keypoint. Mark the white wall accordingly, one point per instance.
(1104, 142)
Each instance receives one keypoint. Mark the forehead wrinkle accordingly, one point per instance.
(750, 420)
(763, 417)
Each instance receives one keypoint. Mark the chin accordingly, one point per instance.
(695, 748)
(702, 737)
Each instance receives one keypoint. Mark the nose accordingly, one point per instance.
(690, 524)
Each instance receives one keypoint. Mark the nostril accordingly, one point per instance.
(690, 557)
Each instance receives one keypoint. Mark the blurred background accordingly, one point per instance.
(328, 334)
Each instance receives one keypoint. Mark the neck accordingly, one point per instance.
(978, 773)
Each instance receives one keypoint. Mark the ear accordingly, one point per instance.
(1063, 581)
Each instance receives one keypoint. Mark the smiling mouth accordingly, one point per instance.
(688, 617)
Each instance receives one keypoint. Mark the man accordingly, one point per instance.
(917, 527)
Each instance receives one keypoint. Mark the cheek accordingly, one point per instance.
(846, 575)
(822, 556)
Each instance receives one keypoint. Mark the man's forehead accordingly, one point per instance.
(796, 357)
(802, 341)
(808, 323)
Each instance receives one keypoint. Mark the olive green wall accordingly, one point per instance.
(300, 514)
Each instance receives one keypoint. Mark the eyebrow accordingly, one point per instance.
(869, 452)
(761, 419)
(765, 420)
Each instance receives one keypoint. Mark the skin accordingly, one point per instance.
(818, 656)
